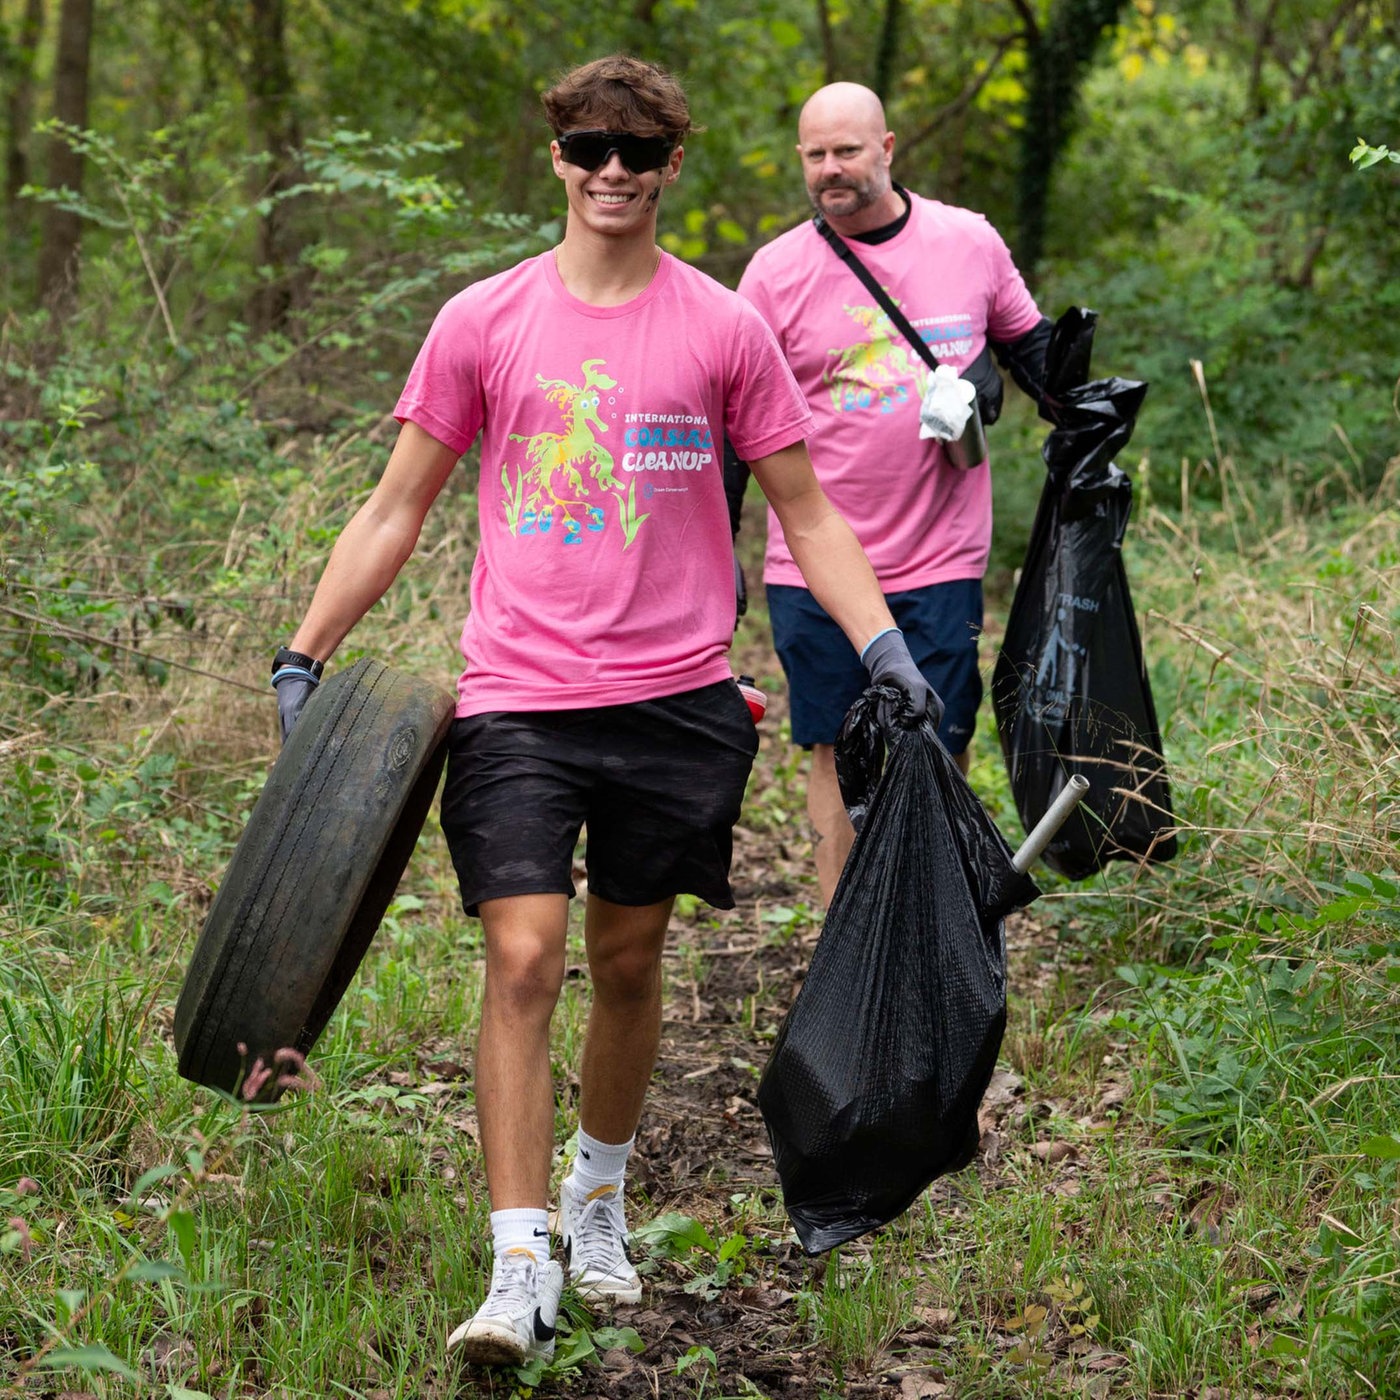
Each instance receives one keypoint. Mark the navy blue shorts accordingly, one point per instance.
(941, 624)
(657, 785)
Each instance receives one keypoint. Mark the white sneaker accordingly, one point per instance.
(517, 1319)
(595, 1244)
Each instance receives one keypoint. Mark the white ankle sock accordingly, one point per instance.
(599, 1164)
(521, 1229)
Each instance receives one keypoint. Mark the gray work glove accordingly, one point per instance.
(889, 663)
(294, 685)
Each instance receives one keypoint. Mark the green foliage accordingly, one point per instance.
(68, 1086)
(859, 1309)
(1258, 1005)
(714, 1264)
(1364, 155)
(579, 1342)
(1219, 249)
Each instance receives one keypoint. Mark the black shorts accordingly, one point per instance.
(657, 784)
(941, 623)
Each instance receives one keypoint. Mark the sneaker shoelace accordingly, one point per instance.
(514, 1286)
(599, 1233)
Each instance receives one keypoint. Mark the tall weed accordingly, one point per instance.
(1259, 990)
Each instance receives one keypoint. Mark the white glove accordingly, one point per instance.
(948, 403)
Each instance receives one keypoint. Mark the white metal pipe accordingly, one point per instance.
(1050, 823)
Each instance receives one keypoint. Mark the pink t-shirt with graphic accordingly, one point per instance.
(920, 519)
(604, 573)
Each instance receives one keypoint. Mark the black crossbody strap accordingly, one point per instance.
(846, 253)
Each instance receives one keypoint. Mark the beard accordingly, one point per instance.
(855, 195)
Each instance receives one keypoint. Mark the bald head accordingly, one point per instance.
(846, 153)
(846, 104)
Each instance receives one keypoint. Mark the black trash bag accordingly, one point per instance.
(875, 1078)
(1070, 689)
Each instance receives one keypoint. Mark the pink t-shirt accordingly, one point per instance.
(920, 519)
(604, 573)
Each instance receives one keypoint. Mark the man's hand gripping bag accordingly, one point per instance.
(874, 1082)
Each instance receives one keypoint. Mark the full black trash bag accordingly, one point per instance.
(874, 1081)
(1070, 689)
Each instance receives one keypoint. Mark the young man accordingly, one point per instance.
(925, 524)
(600, 377)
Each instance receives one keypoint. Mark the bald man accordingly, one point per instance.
(926, 525)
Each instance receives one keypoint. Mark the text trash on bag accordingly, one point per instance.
(878, 1069)
(1070, 688)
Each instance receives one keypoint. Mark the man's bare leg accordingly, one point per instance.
(624, 1025)
(514, 1087)
(827, 813)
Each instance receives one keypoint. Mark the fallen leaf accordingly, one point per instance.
(935, 1319)
(448, 1069)
(1052, 1152)
(1113, 1096)
(766, 1298)
(1104, 1361)
(464, 1121)
(1003, 1088)
(1259, 1297)
(920, 1387)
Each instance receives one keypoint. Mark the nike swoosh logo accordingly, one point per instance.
(543, 1331)
(587, 1156)
(540, 1234)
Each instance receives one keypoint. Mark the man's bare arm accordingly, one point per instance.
(377, 542)
(823, 545)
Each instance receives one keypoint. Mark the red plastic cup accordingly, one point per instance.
(756, 700)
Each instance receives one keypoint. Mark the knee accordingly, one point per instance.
(628, 974)
(526, 976)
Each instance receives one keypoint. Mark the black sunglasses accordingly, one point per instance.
(590, 149)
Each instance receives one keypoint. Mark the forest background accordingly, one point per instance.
(227, 225)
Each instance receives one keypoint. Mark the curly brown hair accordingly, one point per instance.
(618, 93)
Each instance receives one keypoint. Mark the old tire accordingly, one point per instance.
(313, 873)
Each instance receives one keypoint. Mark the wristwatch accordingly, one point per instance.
(286, 657)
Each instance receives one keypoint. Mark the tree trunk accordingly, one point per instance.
(19, 114)
(277, 132)
(828, 43)
(1058, 55)
(62, 230)
(887, 53)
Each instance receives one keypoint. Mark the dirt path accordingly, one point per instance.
(703, 1151)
